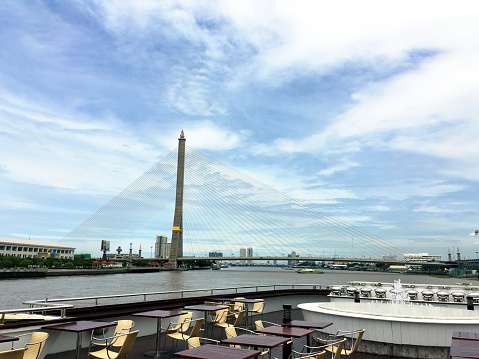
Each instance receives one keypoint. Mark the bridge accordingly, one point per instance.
(218, 208)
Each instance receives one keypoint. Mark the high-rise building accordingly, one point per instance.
(162, 247)
(249, 253)
(242, 255)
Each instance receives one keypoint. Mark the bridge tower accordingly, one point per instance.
(176, 250)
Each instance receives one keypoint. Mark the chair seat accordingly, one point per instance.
(179, 336)
(104, 354)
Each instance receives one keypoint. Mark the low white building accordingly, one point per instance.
(25, 248)
(422, 257)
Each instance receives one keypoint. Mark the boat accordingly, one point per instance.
(310, 271)
(113, 307)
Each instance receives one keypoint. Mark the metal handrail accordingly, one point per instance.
(180, 292)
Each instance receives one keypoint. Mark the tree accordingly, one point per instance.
(25, 263)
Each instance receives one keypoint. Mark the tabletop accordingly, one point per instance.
(257, 341)
(210, 351)
(285, 331)
(464, 345)
(206, 308)
(80, 326)
(465, 335)
(159, 313)
(239, 300)
(6, 338)
(307, 324)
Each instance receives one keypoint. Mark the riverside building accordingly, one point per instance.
(26, 248)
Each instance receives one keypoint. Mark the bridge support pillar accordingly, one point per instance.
(176, 250)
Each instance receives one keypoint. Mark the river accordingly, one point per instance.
(15, 291)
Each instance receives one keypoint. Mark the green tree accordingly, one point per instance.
(6, 263)
(25, 263)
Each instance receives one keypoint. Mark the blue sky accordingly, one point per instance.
(367, 110)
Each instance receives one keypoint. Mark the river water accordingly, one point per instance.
(14, 291)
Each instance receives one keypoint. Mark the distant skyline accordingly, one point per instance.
(367, 110)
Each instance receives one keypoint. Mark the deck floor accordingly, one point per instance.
(144, 344)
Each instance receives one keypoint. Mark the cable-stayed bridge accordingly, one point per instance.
(214, 207)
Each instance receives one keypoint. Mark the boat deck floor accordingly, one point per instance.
(147, 343)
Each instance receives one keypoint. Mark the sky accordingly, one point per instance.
(367, 110)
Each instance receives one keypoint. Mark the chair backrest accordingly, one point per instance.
(197, 327)
(239, 305)
(259, 324)
(221, 315)
(183, 327)
(122, 327)
(231, 309)
(239, 319)
(182, 319)
(193, 342)
(35, 346)
(231, 333)
(258, 306)
(127, 344)
(339, 349)
(13, 354)
(358, 340)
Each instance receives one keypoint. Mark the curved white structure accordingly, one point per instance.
(412, 331)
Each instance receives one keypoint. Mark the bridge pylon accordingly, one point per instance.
(176, 250)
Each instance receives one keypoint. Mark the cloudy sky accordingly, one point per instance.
(367, 110)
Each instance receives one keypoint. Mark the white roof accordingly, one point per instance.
(29, 242)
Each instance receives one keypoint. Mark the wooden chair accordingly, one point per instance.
(196, 342)
(352, 338)
(334, 347)
(122, 327)
(182, 335)
(239, 306)
(109, 352)
(258, 308)
(34, 347)
(181, 319)
(13, 354)
(237, 323)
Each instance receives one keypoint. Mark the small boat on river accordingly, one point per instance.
(310, 271)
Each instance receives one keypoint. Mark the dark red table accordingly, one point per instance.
(256, 341)
(158, 314)
(210, 351)
(465, 345)
(308, 325)
(286, 332)
(79, 327)
(6, 338)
